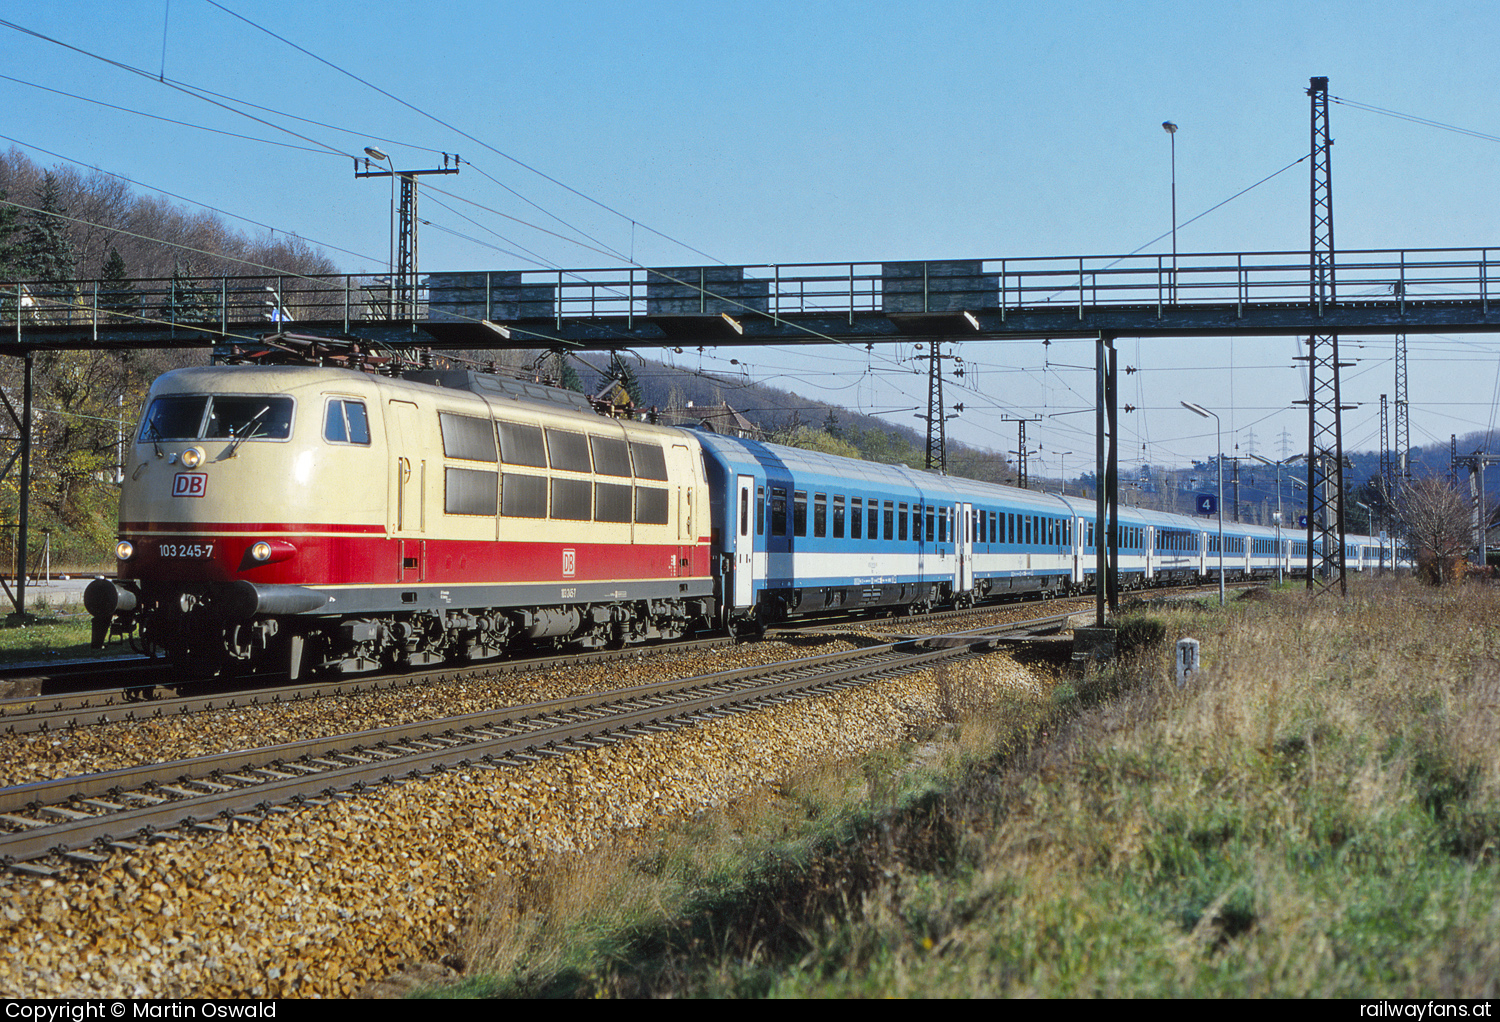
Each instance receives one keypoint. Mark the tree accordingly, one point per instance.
(185, 301)
(10, 248)
(567, 377)
(1435, 520)
(620, 370)
(46, 250)
(116, 292)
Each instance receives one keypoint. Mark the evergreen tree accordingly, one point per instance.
(116, 293)
(46, 251)
(620, 370)
(10, 249)
(567, 376)
(185, 302)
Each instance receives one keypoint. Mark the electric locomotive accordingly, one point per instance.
(299, 518)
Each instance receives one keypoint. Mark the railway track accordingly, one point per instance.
(145, 696)
(118, 809)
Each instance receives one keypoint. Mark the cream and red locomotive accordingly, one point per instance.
(301, 518)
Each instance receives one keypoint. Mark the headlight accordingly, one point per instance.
(124, 549)
(261, 551)
(192, 457)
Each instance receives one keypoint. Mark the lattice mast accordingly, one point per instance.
(1403, 423)
(1325, 445)
(937, 429)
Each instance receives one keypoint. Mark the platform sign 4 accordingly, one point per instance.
(1207, 503)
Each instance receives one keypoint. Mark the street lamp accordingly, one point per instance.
(1219, 442)
(1277, 465)
(390, 260)
(1171, 130)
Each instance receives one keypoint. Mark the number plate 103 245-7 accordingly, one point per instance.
(187, 550)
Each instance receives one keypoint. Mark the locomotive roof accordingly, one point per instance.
(488, 385)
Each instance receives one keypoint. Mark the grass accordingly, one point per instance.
(1318, 815)
(49, 637)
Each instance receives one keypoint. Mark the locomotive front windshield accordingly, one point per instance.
(217, 417)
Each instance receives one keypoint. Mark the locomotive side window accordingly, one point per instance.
(346, 423)
(569, 451)
(649, 461)
(572, 499)
(467, 437)
(611, 502)
(521, 444)
(173, 418)
(611, 456)
(651, 505)
(523, 496)
(467, 492)
(264, 418)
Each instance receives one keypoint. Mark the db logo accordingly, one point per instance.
(190, 484)
(570, 563)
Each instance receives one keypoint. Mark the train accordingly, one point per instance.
(306, 518)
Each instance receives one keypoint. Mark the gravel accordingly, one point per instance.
(323, 901)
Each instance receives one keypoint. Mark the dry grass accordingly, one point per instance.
(1318, 815)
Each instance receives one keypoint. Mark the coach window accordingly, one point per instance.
(760, 510)
(856, 517)
(838, 516)
(778, 511)
(799, 512)
(942, 520)
(820, 515)
(900, 520)
(890, 521)
(745, 512)
(873, 532)
(346, 423)
(467, 437)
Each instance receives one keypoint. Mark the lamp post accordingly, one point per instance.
(1171, 130)
(1219, 442)
(390, 259)
(1277, 465)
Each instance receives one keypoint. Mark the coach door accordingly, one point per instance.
(963, 548)
(744, 541)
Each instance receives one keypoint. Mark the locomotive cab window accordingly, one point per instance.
(346, 422)
(247, 418)
(217, 417)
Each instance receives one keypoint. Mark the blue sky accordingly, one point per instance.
(782, 132)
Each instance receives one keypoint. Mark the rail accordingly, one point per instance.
(1238, 279)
